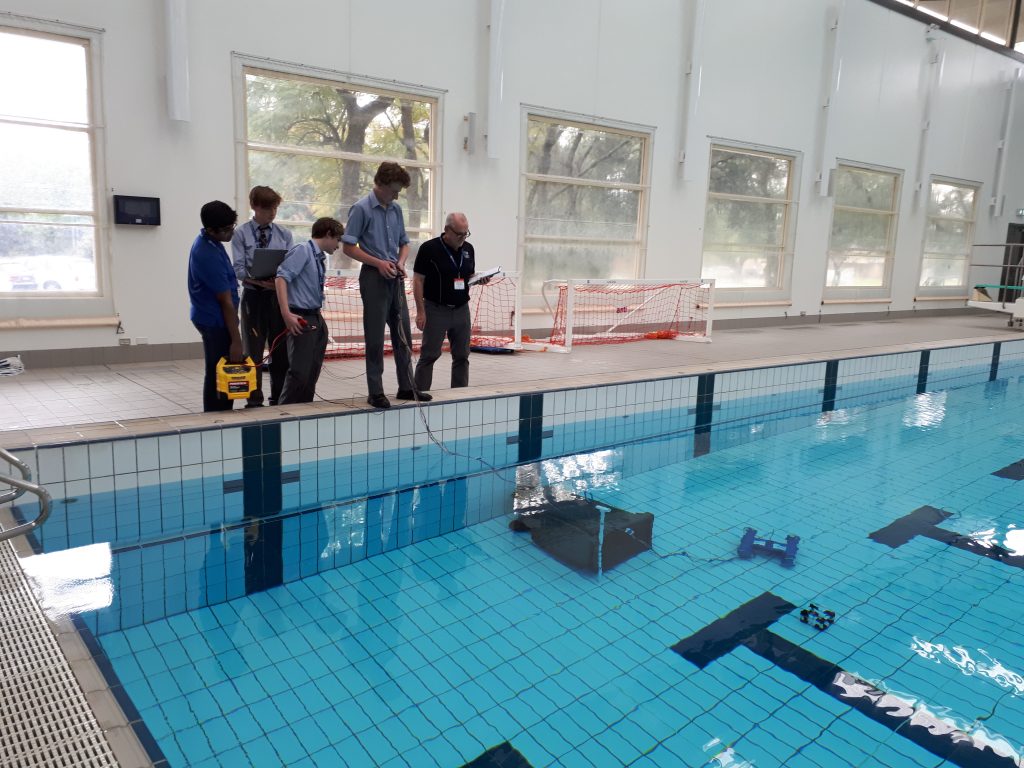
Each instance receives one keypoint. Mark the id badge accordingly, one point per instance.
(460, 284)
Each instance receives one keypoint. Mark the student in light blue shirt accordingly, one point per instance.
(376, 238)
(300, 295)
(260, 315)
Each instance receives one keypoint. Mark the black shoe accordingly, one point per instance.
(379, 401)
(408, 394)
(254, 405)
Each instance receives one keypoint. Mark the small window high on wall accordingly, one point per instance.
(948, 235)
(584, 201)
(48, 213)
(860, 252)
(748, 224)
(318, 143)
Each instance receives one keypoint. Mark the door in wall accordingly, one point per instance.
(1013, 263)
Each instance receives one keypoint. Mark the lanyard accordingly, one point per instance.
(462, 257)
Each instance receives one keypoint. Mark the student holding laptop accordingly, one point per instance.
(260, 315)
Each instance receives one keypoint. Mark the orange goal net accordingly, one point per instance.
(494, 309)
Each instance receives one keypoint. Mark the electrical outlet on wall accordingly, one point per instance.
(125, 342)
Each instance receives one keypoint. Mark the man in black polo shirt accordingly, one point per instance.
(441, 289)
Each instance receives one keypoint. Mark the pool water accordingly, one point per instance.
(446, 649)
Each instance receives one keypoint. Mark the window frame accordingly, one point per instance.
(55, 305)
(243, 64)
(782, 293)
(646, 133)
(952, 291)
(868, 293)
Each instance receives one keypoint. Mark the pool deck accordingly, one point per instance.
(59, 405)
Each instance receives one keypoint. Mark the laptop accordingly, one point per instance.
(265, 262)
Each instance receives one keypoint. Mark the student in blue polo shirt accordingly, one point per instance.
(300, 294)
(213, 292)
(376, 237)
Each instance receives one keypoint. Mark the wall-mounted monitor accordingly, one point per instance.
(136, 210)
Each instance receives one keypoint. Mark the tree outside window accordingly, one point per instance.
(863, 235)
(318, 144)
(47, 201)
(747, 221)
(948, 234)
(585, 197)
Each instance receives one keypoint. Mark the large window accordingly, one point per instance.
(47, 193)
(747, 224)
(863, 235)
(318, 144)
(948, 234)
(585, 189)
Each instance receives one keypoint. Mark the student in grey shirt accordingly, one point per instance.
(375, 236)
(260, 315)
(300, 294)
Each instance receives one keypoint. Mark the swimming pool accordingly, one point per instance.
(411, 627)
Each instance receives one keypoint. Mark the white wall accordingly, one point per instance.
(762, 78)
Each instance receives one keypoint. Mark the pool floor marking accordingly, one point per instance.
(922, 371)
(924, 522)
(747, 626)
(1013, 471)
(705, 412)
(531, 426)
(828, 394)
(502, 756)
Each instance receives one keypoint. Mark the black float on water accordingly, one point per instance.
(570, 531)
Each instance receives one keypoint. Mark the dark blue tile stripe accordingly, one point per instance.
(993, 372)
(923, 522)
(531, 426)
(828, 398)
(922, 371)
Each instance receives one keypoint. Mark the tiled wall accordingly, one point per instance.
(180, 510)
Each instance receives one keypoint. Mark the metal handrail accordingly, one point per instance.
(18, 488)
(26, 475)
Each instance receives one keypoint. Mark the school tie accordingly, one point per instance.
(264, 236)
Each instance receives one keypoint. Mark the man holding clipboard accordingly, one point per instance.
(442, 276)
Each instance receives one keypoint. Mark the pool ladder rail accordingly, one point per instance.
(18, 487)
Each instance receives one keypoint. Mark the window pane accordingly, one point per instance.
(943, 236)
(43, 79)
(865, 189)
(967, 12)
(45, 168)
(584, 153)
(856, 270)
(312, 187)
(298, 113)
(937, 271)
(859, 231)
(738, 221)
(549, 261)
(938, 8)
(996, 17)
(749, 174)
(58, 256)
(951, 200)
(743, 268)
(571, 210)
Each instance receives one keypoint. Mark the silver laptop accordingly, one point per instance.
(265, 262)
